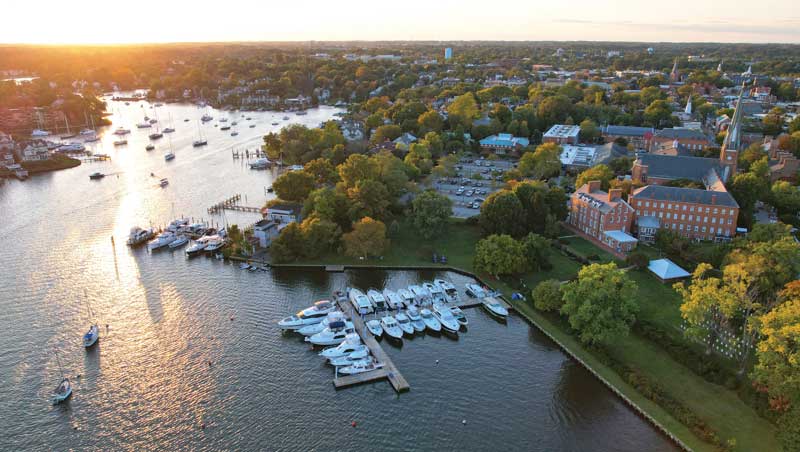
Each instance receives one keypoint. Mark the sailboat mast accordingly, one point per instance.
(58, 360)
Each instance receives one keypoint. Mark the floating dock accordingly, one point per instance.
(334, 268)
(232, 203)
(389, 371)
(475, 302)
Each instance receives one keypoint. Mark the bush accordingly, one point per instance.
(593, 257)
(638, 260)
(547, 296)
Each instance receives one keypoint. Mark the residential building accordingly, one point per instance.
(694, 139)
(7, 149)
(35, 151)
(284, 213)
(562, 134)
(691, 212)
(503, 143)
(265, 231)
(603, 217)
(405, 139)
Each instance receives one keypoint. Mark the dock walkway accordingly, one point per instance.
(389, 371)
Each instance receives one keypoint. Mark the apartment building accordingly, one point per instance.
(603, 217)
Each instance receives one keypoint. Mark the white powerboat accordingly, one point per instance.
(91, 336)
(198, 143)
(421, 295)
(351, 344)
(163, 239)
(38, 133)
(215, 243)
(63, 391)
(360, 367)
(335, 334)
(377, 300)
(430, 320)
(206, 118)
(437, 294)
(448, 288)
(459, 315)
(121, 131)
(196, 248)
(446, 318)
(476, 291)
(407, 296)
(308, 316)
(350, 359)
(138, 236)
(314, 328)
(180, 241)
(72, 147)
(405, 323)
(360, 301)
(494, 307)
(374, 327)
(393, 300)
(169, 156)
(177, 225)
(391, 327)
(416, 319)
(143, 125)
(120, 142)
(260, 163)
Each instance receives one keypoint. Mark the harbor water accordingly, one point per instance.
(192, 358)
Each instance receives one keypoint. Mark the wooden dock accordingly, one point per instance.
(334, 268)
(389, 371)
(232, 203)
(470, 302)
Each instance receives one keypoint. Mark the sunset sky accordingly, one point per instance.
(95, 21)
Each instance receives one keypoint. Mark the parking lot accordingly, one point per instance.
(476, 179)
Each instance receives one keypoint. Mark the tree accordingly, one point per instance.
(589, 131)
(600, 172)
(600, 305)
(368, 238)
(293, 186)
(773, 122)
(356, 168)
(430, 121)
(778, 352)
(319, 236)
(543, 163)
(328, 204)
(657, 112)
(419, 156)
(537, 252)
(370, 198)
(430, 213)
(785, 197)
(547, 295)
(322, 171)
(463, 110)
(288, 245)
(386, 132)
(554, 110)
(499, 254)
(638, 259)
(502, 213)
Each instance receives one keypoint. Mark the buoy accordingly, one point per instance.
(231, 318)
(353, 423)
(437, 361)
(464, 421)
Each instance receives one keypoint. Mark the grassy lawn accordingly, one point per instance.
(716, 405)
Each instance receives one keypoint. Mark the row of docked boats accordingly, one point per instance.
(324, 325)
(428, 293)
(178, 234)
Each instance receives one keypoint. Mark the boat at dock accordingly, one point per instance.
(138, 236)
(360, 367)
(352, 343)
(405, 323)
(407, 296)
(374, 327)
(446, 318)
(196, 248)
(459, 315)
(437, 294)
(308, 316)
(180, 241)
(430, 320)
(351, 358)
(261, 163)
(377, 299)
(72, 147)
(393, 300)
(360, 301)
(416, 319)
(448, 287)
(95, 176)
(494, 307)
(163, 239)
(475, 291)
(314, 328)
(334, 334)
(421, 295)
(215, 243)
(391, 327)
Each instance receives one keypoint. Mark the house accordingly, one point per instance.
(503, 143)
(405, 139)
(7, 148)
(605, 218)
(691, 212)
(284, 213)
(667, 271)
(692, 138)
(562, 134)
(639, 137)
(784, 166)
(265, 231)
(352, 130)
(35, 151)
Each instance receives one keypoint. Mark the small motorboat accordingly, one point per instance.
(437, 294)
(377, 300)
(308, 316)
(360, 301)
(430, 320)
(138, 236)
(95, 176)
(180, 241)
(149, 147)
(198, 143)
(196, 248)
(121, 131)
(335, 334)
(392, 299)
(285, 118)
(351, 344)
(244, 266)
(391, 327)
(360, 367)
(314, 328)
(405, 323)
(274, 123)
(234, 133)
(459, 315)
(163, 182)
(120, 142)
(475, 291)
(416, 319)
(494, 307)
(63, 391)
(446, 318)
(407, 296)
(169, 156)
(448, 287)
(351, 358)
(168, 130)
(374, 327)
(155, 135)
(252, 126)
(91, 336)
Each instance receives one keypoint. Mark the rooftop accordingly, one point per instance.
(666, 269)
(690, 195)
(681, 133)
(504, 139)
(679, 167)
(620, 237)
(562, 131)
(627, 130)
(577, 155)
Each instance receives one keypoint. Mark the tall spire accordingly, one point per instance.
(673, 76)
(733, 138)
(688, 109)
(719, 66)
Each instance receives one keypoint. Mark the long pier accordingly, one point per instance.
(232, 203)
(388, 371)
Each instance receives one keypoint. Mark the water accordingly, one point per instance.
(147, 385)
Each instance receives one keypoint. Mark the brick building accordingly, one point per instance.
(562, 134)
(692, 139)
(603, 217)
(639, 137)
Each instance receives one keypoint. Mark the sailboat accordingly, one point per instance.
(167, 157)
(200, 141)
(169, 129)
(91, 336)
(157, 134)
(64, 388)
(89, 134)
(144, 124)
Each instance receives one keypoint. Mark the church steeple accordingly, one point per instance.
(719, 66)
(688, 109)
(674, 76)
(729, 154)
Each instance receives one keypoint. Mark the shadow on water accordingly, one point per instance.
(152, 292)
(365, 280)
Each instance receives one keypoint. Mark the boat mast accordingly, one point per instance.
(58, 360)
